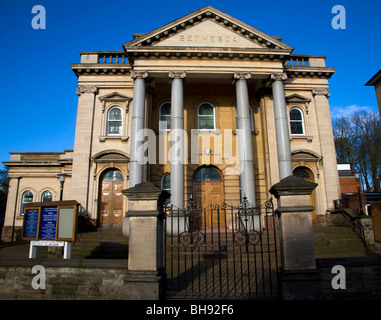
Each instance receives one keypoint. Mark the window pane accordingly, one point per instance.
(27, 197)
(166, 182)
(47, 196)
(207, 174)
(113, 175)
(296, 127)
(205, 109)
(206, 122)
(115, 127)
(165, 109)
(301, 173)
(295, 114)
(115, 114)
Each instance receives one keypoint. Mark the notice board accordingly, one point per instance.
(55, 220)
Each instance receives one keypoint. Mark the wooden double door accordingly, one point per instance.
(111, 200)
(207, 194)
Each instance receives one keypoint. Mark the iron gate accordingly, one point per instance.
(221, 251)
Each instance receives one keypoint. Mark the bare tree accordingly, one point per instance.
(358, 141)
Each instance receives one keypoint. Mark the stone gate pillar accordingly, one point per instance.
(145, 248)
(299, 277)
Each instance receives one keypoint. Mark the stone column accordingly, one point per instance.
(281, 125)
(145, 248)
(299, 276)
(177, 150)
(244, 138)
(137, 124)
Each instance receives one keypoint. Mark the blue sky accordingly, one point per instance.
(38, 87)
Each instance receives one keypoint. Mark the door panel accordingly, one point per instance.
(206, 193)
(111, 203)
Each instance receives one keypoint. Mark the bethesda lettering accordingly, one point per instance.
(208, 38)
(174, 311)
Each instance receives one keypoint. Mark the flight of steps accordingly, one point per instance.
(338, 239)
(104, 243)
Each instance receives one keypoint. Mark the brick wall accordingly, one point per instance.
(348, 185)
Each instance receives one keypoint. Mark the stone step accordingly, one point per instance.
(106, 243)
(338, 239)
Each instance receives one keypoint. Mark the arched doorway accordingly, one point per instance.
(208, 188)
(111, 198)
(306, 174)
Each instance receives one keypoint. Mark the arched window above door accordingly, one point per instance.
(303, 173)
(207, 174)
(112, 175)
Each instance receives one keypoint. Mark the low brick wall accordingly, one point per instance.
(76, 279)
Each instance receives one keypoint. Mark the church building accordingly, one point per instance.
(206, 107)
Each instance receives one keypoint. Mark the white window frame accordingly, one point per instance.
(302, 121)
(162, 105)
(23, 203)
(198, 116)
(108, 120)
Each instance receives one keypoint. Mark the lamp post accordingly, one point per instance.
(357, 177)
(62, 177)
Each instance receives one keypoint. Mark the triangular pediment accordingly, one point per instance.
(115, 96)
(297, 98)
(208, 27)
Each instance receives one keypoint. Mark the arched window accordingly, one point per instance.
(114, 121)
(302, 172)
(207, 174)
(165, 117)
(166, 182)
(27, 197)
(206, 119)
(296, 121)
(47, 196)
(113, 175)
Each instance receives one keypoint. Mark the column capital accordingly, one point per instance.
(242, 75)
(278, 76)
(177, 74)
(321, 92)
(139, 74)
(86, 89)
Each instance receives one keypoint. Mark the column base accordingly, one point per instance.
(300, 285)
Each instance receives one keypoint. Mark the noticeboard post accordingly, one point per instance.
(50, 224)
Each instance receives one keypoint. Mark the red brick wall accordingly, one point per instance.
(376, 214)
(348, 185)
